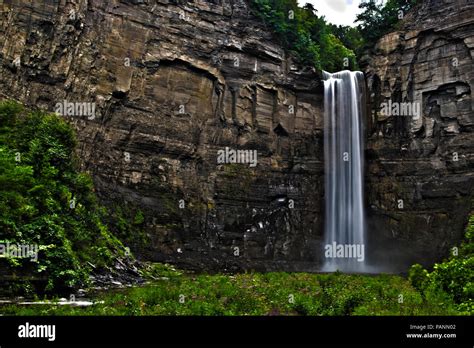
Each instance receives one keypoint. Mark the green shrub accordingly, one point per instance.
(45, 201)
(453, 277)
(418, 276)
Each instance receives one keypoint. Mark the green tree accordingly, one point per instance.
(306, 35)
(46, 201)
(378, 19)
(349, 36)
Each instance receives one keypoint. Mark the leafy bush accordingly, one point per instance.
(418, 276)
(45, 201)
(455, 276)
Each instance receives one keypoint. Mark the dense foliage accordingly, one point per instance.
(350, 37)
(315, 42)
(455, 276)
(45, 201)
(379, 18)
(306, 35)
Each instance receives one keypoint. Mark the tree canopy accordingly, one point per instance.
(305, 34)
(378, 19)
(315, 42)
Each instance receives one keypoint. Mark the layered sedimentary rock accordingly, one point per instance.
(175, 82)
(420, 173)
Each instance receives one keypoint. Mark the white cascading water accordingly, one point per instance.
(344, 163)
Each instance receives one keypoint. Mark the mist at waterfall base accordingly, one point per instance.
(345, 226)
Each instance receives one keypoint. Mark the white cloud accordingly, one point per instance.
(340, 12)
(337, 5)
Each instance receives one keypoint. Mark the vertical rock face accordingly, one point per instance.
(420, 175)
(175, 82)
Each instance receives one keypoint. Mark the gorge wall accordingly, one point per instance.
(420, 171)
(174, 82)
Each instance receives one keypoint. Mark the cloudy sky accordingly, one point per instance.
(336, 11)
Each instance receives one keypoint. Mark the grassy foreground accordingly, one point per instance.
(175, 293)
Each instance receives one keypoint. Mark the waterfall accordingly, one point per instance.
(344, 247)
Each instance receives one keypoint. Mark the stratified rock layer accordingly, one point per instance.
(174, 82)
(420, 174)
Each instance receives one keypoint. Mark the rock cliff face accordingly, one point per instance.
(175, 82)
(420, 174)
